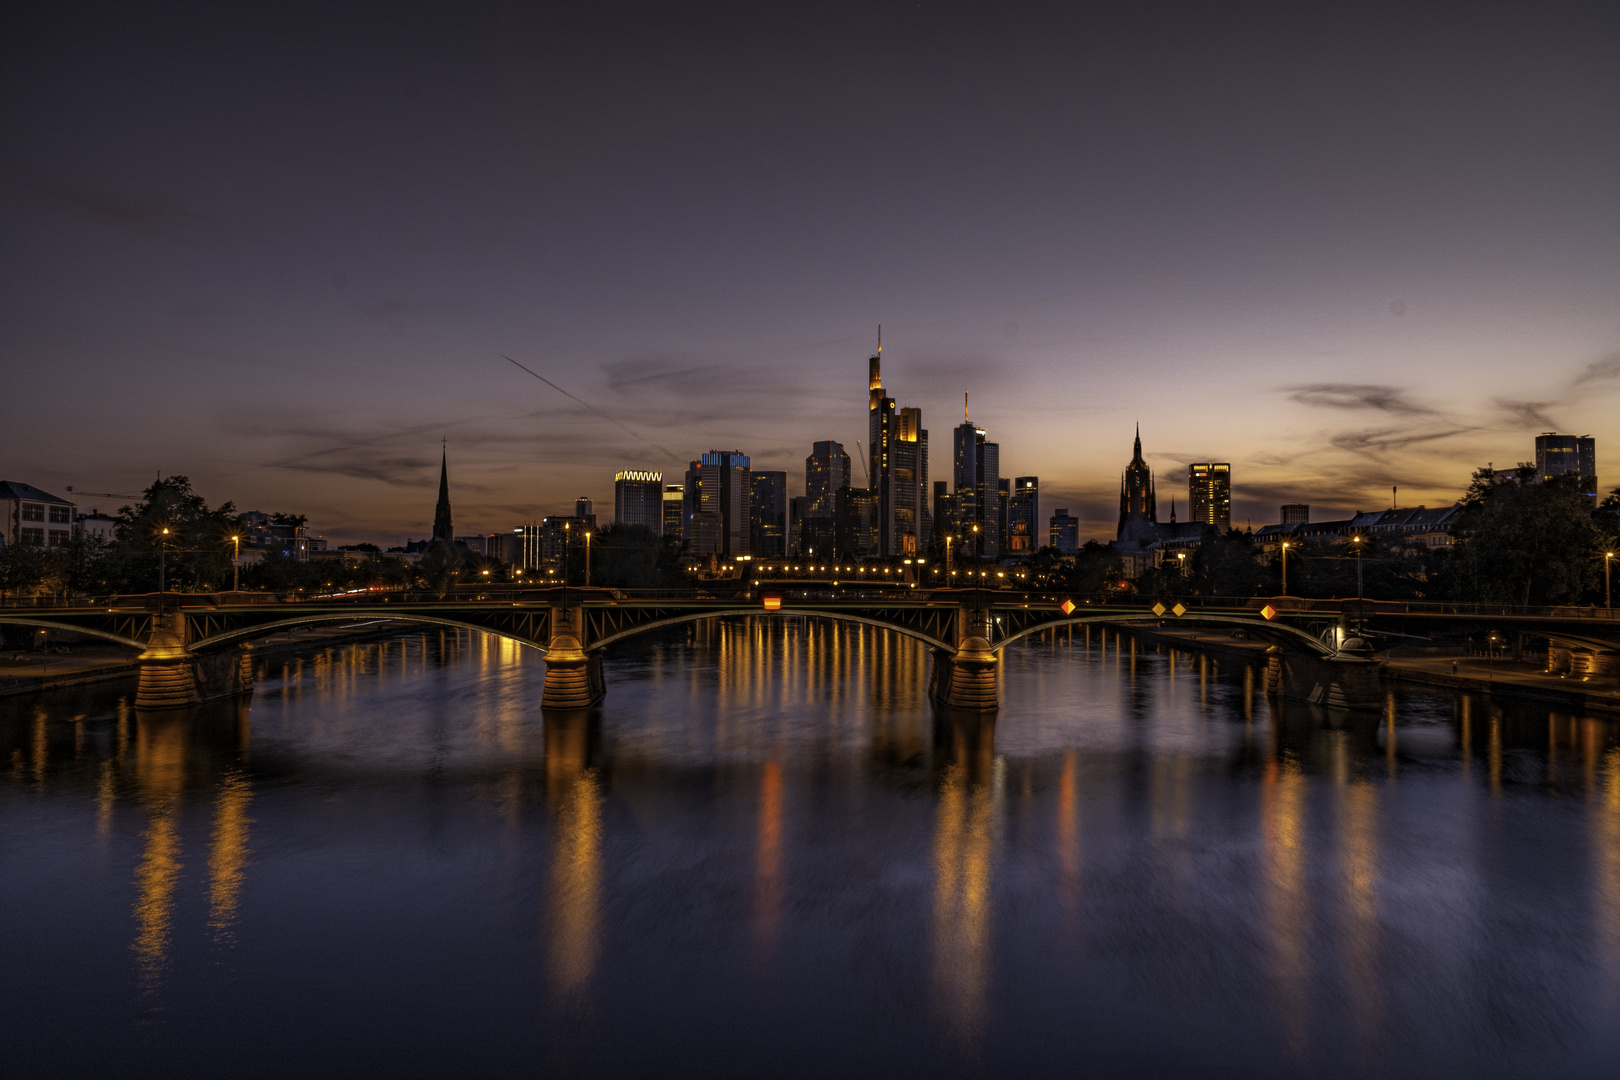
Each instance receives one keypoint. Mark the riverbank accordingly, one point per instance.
(1505, 678)
(1501, 678)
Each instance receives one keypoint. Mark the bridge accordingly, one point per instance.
(195, 647)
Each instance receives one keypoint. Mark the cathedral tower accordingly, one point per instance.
(1136, 492)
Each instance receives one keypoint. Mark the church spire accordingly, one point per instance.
(442, 529)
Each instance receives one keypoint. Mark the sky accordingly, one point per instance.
(283, 251)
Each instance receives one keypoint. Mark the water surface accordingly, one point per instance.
(766, 853)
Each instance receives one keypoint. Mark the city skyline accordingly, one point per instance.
(291, 288)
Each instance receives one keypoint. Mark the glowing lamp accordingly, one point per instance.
(773, 603)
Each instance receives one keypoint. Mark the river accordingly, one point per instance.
(765, 854)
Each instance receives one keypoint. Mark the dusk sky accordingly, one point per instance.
(282, 251)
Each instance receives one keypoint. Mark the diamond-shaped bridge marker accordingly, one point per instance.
(1158, 609)
(1179, 611)
(1067, 607)
(1268, 612)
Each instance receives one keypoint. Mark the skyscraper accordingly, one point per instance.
(826, 470)
(638, 499)
(897, 454)
(1296, 513)
(1209, 494)
(1023, 516)
(672, 509)
(1557, 455)
(977, 476)
(768, 511)
(1065, 532)
(725, 499)
(442, 528)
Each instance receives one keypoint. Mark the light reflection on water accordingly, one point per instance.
(767, 852)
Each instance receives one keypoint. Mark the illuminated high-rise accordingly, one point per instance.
(638, 499)
(897, 461)
(725, 497)
(1023, 516)
(1209, 494)
(673, 497)
(977, 476)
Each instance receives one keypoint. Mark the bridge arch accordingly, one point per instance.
(46, 624)
(248, 633)
(831, 616)
(1293, 633)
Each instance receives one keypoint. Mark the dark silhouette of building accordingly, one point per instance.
(769, 513)
(1065, 532)
(1138, 502)
(442, 529)
(1296, 514)
(1559, 455)
(722, 523)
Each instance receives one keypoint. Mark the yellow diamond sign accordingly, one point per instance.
(1067, 607)
(1269, 612)
(1179, 611)
(1158, 609)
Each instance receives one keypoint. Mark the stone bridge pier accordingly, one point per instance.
(968, 679)
(574, 677)
(170, 676)
(1347, 679)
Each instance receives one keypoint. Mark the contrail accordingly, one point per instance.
(673, 456)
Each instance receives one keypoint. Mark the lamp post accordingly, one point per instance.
(163, 547)
(1181, 559)
(1285, 567)
(1608, 597)
(236, 563)
(1356, 540)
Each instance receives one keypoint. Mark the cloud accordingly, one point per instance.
(389, 307)
(1380, 440)
(1390, 399)
(129, 211)
(1598, 371)
(1529, 412)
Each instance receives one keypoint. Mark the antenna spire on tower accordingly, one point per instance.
(964, 407)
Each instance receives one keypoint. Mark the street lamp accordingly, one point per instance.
(163, 541)
(236, 563)
(1181, 557)
(1285, 568)
(1356, 540)
(1608, 597)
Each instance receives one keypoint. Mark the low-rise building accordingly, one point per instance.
(31, 516)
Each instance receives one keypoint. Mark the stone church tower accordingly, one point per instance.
(1137, 503)
(442, 529)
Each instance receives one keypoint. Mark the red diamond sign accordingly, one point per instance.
(1067, 607)
(1269, 612)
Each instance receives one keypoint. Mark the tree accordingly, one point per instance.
(1517, 541)
(634, 557)
(21, 567)
(1227, 566)
(197, 554)
(440, 566)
